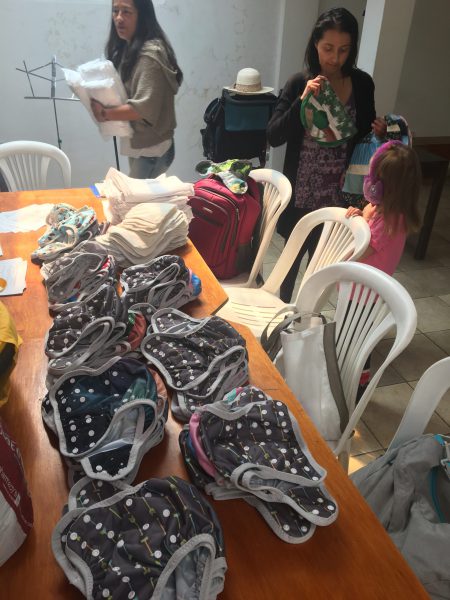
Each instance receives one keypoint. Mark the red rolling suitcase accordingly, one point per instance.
(223, 225)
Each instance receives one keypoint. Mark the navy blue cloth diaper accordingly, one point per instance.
(107, 419)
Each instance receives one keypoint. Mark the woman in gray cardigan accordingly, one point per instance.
(144, 57)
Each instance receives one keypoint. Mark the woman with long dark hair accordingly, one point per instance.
(146, 61)
(316, 172)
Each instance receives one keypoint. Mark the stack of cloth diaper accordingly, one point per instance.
(200, 359)
(123, 192)
(159, 539)
(92, 331)
(68, 226)
(107, 418)
(78, 274)
(147, 231)
(249, 446)
(163, 282)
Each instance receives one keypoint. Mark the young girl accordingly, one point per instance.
(392, 191)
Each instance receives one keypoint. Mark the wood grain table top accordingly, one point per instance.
(351, 559)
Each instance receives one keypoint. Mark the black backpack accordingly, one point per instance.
(236, 126)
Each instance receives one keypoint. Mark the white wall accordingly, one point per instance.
(297, 20)
(424, 89)
(383, 47)
(212, 40)
(356, 7)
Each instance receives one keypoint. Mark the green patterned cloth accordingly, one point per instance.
(232, 172)
(325, 117)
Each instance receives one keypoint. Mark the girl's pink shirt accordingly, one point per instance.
(387, 249)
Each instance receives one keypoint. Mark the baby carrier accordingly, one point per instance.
(236, 126)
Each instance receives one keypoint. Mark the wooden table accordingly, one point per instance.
(353, 558)
(435, 167)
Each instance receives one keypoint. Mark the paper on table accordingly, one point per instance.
(13, 271)
(28, 218)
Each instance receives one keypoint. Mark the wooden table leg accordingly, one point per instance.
(430, 211)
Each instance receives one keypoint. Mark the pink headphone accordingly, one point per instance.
(373, 186)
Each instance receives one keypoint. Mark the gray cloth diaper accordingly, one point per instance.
(78, 274)
(163, 282)
(285, 522)
(201, 359)
(158, 540)
(252, 448)
(258, 447)
(97, 325)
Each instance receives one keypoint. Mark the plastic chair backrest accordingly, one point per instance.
(24, 164)
(423, 402)
(342, 239)
(276, 196)
(369, 304)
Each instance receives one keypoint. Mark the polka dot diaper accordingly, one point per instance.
(158, 540)
(254, 450)
(285, 522)
(107, 418)
(77, 274)
(200, 359)
(259, 448)
(95, 326)
(162, 282)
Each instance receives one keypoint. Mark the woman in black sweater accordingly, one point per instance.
(316, 172)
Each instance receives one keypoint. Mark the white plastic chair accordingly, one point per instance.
(277, 193)
(369, 304)
(342, 239)
(25, 164)
(425, 398)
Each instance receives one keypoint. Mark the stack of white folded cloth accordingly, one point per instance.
(147, 231)
(123, 192)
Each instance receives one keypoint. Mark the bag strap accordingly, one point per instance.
(272, 343)
(334, 376)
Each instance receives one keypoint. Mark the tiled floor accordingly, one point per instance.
(428, 282)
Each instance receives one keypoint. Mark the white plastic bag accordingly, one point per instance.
(304, 351)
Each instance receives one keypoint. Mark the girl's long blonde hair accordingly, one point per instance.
(399, 170)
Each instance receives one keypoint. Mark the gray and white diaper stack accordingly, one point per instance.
(200, 359)
(249, 446)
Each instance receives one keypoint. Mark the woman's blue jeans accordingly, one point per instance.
(149, 167)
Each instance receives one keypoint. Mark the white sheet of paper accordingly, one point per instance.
(29, 218)
(13, 271)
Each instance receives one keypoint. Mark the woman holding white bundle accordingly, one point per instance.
(139, 49)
